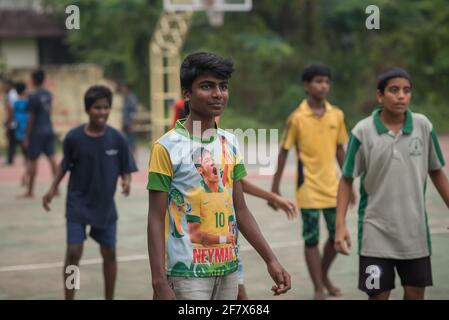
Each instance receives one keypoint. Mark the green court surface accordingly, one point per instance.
(32, 244)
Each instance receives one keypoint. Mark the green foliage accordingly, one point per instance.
(114, 34)
(272, 44)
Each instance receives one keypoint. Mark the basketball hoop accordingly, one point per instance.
(214, 16)
(214, 9)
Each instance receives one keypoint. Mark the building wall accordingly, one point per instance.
(35, 5)
(19, 52)
(68, 83)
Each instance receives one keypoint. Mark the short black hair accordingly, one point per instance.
(95, 93)
(315, 69)
(38, 76)
(200, 63)
(20, 87)
(197, 156)
(387, 75)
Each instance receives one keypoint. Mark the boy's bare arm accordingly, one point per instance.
(342, 237)
(126, 184)
(157, 206)
(282, 159)
(29, 127)
(441, 183)
(340, 155)
(287, 206)
(341, 160)
(254, 190)
(46, 199)
(248, 227)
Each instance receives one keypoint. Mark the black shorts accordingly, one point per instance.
(41, 143)
(377, 275)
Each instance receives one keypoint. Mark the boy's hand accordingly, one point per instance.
(280, 276)
(272, 202)
(46, 199)
(286, 205)
(163, 292)
(126, 187)
(342, 240)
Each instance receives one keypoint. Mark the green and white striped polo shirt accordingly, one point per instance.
(393, 169)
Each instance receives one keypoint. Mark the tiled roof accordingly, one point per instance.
(22, 23)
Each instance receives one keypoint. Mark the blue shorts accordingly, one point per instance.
(41, 143)
(107, 237)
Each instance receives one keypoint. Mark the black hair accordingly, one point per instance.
(197, 156)
(186, 110)
(20, 87)
(315, 69)
(200, 63)
(387, 75)
(38, 77)
(95, 93)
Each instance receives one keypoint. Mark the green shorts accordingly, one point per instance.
(311, 225)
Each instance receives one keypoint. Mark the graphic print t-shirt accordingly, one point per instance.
(200, 220)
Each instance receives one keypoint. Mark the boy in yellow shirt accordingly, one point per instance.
(317, 131)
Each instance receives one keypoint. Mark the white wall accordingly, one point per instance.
(19, 53)
(21, 5)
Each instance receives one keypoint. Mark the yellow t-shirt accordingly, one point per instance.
(176, 167)
(315, 140)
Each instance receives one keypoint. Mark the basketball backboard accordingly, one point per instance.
(200, 5)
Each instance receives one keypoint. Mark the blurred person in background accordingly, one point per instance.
(10, 96)
(20, 115)
(39, 136)
(129, 110)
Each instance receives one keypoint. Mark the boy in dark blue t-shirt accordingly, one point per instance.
(96, 156)
(39, 136)
(20, 114)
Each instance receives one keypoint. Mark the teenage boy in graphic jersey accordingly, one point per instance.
(180, 268)
(276, 201)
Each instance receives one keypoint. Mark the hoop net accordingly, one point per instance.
(214, 15)
(214, 9)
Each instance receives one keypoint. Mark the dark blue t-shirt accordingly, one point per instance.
(39, 104)
(95, 164)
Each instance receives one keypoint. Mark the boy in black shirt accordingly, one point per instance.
(96, 155)
(39, 137)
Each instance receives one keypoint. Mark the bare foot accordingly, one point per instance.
(333, 290)
(25, 196)
(319, 295)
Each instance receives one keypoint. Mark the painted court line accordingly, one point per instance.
(139, 257)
